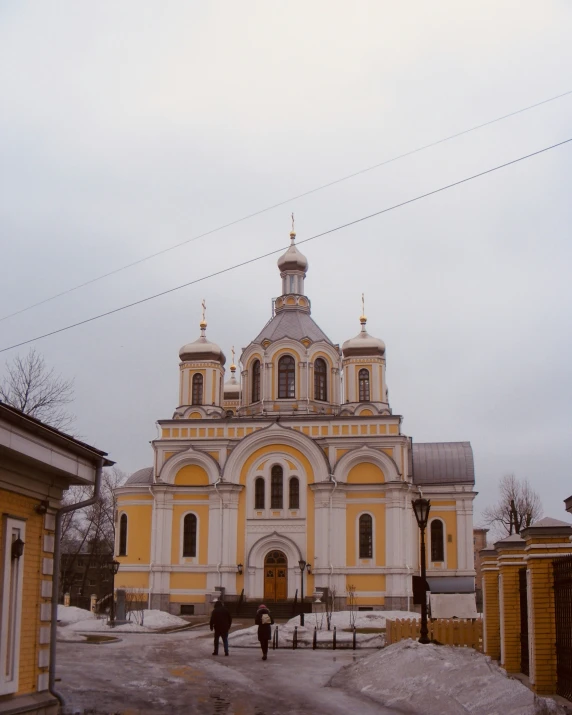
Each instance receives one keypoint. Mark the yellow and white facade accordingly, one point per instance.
(299, 457)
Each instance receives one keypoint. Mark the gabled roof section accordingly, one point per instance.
(443, 463)
(293, 324)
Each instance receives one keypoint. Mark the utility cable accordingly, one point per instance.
(285, 201)
(279, 250)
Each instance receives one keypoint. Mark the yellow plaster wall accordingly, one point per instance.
(365, 473)
(352, 513)
(132, 579)
(192, 475)
(366, 582)
(21, 506)
(139, 517)
(189, 580)
(202, 513)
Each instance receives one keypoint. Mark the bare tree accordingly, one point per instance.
(518, 507)
(89, 532)
(32, 387)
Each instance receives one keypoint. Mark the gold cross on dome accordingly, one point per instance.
(363, 304)
(232, 351)
(292, 221)
(204, 306)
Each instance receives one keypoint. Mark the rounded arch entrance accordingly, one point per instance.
(256, 561)
(275, 576)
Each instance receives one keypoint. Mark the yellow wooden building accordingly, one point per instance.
(299, 457)
(37, 463)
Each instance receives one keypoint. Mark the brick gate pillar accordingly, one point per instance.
(491, 613)
(546, 540)
(510, 561)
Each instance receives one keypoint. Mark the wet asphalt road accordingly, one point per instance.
(171, 674)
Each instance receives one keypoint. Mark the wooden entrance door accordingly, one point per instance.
(275, 576)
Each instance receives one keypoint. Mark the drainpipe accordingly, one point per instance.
(332, 479)
(56, 577)
(218, 481)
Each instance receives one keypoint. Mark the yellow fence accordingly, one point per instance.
(448, 631)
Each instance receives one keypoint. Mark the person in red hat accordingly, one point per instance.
(264, 622)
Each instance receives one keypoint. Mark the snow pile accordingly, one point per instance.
(71, 614)
(152, 620)
(248, 637)
(435, 679)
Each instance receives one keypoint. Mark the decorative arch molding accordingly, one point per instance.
(269, 542)
(188, 457)
(366, 454)
(277, 435)
(356, 408)
(205, 412)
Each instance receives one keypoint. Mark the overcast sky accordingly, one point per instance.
(128, 127)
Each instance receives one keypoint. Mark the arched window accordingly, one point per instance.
(259, 493)
(197, 396)
(123, 535)
(276, 487)
(286, 377)
(256, 381)
(190, 535)
(294, 493)
(365, 536)
(320, 380)
(363, 377)
(437, 541)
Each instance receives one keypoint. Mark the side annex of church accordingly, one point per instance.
(300, 458)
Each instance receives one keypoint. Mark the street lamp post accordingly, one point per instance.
(421, 509)
(302, 565)
(113, 566)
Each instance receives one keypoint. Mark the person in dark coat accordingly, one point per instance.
(264, 622)
(221, 621)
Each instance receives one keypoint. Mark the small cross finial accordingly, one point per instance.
(204, 318)
(292, 222)
(232, 351)
(363, 319)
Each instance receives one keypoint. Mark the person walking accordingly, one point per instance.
(221, 621)
(264, 622)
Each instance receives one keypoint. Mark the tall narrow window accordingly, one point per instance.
(437, 541)
(197, 397)
(259, 493)
(123, 535)
(363, 377)
(320, 380)
(190, 535)
(276, 487)
(294, 493)
(256, 381)
(286, 377)
(365, 536)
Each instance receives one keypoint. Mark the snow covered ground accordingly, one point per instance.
(433, 680)
(72, 620)
(248, 637)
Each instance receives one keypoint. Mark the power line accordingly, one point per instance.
(278, 250)
(285, 201)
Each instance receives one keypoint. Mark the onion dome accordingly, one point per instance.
(232, 386)
(202, 349)
(293, 260)
(363, 343)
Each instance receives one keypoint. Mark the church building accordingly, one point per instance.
(296, 457)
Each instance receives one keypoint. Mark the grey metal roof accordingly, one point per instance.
(443, 463)
(294, 324)
(141, 476)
